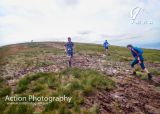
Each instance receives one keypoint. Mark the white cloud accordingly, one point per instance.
(40, 20)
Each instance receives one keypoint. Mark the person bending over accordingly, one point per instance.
(137, 53)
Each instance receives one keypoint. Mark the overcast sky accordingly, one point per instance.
(119, 21)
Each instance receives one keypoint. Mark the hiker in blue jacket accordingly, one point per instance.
(137, 53)
(69, 50)
(106, 45)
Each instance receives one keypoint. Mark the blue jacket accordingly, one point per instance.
(69, 46)
(137, 52)
(106, 44)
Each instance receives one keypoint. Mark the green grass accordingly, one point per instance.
(5, 91)
(19, 109)
(118, 53)
(75, 83)
(43, 63)
(141, 75)
(153, 58)
(22, 85)
(89, 48)
(3, 53)
(155, 72)
(25, 82)
(3, 105)
(37, 88)
(1, 80)
(82, 84)
(32, 50)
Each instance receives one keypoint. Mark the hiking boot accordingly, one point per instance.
(149, 76)
(134, 73)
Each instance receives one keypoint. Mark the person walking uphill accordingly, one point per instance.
(138, 58)
(69, 51)
(106, 45)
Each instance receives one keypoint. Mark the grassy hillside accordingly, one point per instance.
(118, 53)
(96, 82)
(30, 50)
(74, 83)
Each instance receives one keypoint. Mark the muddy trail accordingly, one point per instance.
(132, 95)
